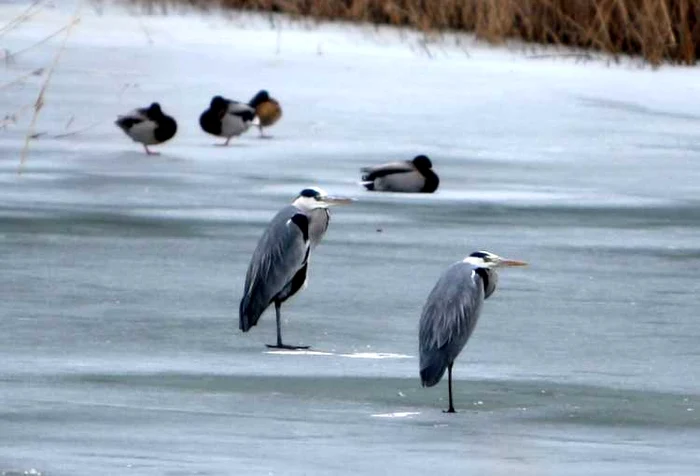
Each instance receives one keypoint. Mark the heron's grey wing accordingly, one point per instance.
(371, 173)
(281, 252)
(448, 319)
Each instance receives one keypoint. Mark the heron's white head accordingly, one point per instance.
(315, 197)
(484, 259)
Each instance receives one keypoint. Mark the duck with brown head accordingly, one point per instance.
(267, 109)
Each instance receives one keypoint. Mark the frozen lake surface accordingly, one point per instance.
(121, 274)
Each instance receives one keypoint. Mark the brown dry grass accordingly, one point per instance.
(658, 30)
(39, 103)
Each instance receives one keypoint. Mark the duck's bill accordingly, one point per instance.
(512, 262)
(334, 200)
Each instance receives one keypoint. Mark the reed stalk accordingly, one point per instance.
(658, 30)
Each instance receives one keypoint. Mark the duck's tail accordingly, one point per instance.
(125, 122)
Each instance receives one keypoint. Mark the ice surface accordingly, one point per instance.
(121, 273)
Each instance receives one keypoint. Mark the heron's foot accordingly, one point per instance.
(288, 347)
(219, 144)
(449, 410)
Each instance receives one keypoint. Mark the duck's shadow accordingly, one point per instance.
(232, 145)
(131, 157)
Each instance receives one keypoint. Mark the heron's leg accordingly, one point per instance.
(149, 151)
(449, 387)
(280, 345)
(279, 324)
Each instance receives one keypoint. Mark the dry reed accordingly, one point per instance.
(44, 87)
(658, 30)
(34, 8)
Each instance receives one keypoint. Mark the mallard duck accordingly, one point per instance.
(148, 126)
(410, 176)
(227, 118)
(267, 109)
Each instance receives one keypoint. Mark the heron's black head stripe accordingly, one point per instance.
(309, 192)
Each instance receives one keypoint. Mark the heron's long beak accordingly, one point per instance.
(332, 200)
(511, 262)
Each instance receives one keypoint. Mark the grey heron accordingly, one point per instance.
(409, 176)
(278, 267)
(451, 311)
(227, 118)
(148, 126)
